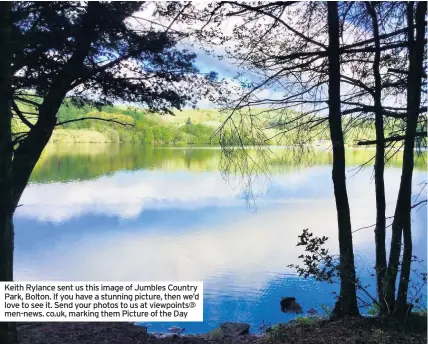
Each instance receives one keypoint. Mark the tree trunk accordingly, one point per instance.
(347, 303)
(379, 167)
(28, 153)
(29, 150)
(416, 55)
(404, 192)
(7, 330)
(16, 166)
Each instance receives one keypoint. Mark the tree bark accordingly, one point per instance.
(7, 330)
(29, 150)
(379, 166)
(347, 303)
(414, 81)
(16, 166)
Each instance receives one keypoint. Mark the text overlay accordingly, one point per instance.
(101, 301)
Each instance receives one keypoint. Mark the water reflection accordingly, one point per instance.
(167, 214)
(65, 162)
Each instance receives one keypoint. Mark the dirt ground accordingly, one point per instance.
(345, 331)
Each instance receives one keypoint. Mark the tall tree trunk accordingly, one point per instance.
(7, 330)
(16, 167)
(347, 303)
(29, 150)
(403, 192)
(379, 166)
(415, 75)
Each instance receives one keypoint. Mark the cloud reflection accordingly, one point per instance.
(247, 250)
(127, 194)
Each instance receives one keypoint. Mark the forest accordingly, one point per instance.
(126, 124)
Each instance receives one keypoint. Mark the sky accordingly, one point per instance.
(227, 69)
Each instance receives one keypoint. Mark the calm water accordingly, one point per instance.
(109, 212)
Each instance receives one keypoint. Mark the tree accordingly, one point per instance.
(374, 17)
(379, 162)
(347, 303)
(91, 53)
(284, 46)
(401, 225)
(6, 241)
(394, 54)
(388, 54)
(305, 69)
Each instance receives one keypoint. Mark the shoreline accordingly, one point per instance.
(216, 146)
(368, 330)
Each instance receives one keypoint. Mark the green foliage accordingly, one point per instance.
(309, 321)
(188, 127)
(127, 125)
(285, 333)
(146, 135)
(199, 133)
(278, 334)
(317, 262)
(373, 310)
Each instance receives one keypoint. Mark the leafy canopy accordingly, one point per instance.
(96, 50)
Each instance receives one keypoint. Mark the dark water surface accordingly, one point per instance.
(129, 213)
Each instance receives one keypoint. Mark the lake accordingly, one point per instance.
(133, 213)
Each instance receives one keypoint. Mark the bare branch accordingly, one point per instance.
(391, 139)
(95, 118)
(21, 115)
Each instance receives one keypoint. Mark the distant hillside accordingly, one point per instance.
(185, 127)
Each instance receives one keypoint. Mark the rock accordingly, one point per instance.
(176, 330)
(289, 305)
(312, 311)
(229, 330)
(232, 329)
(216, 334)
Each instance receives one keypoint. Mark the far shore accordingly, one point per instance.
(323, 147)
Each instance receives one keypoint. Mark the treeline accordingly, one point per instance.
(132, 125)
(121, 124)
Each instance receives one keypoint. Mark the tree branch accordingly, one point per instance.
(391, 139)
(255, 9)
(21, 115)
(23, 100)
(95, 118)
